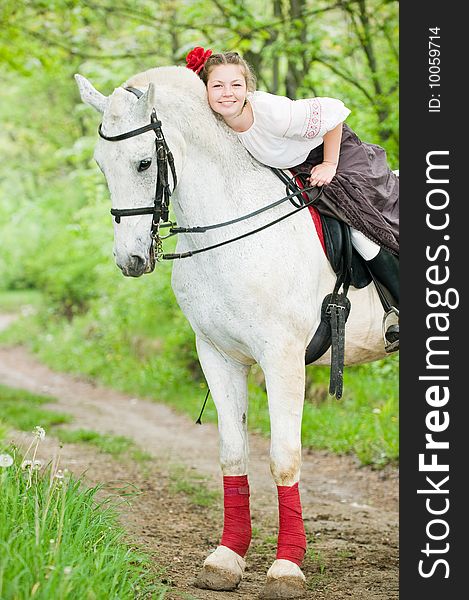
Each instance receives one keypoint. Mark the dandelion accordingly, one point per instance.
(39, 432)
(6, 460)
(37, 464)
(26, 464)
(59, 475)
(28, 310)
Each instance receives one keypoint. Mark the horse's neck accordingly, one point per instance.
(213, 189)
(220, 182)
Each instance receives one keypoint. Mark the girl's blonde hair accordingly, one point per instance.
(229, 58)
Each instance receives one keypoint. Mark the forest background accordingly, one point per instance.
(55, 227)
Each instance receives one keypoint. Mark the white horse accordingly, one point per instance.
(256, 300)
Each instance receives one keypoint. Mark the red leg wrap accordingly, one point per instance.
(237, 521)
(291, 543)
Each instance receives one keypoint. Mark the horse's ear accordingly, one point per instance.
(90, 95)
(147, 101)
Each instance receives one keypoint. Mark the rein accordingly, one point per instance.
(244, 235)
(160, 208)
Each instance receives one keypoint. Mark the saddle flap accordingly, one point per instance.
(334, 240)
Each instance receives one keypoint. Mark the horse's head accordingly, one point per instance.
(130, 165)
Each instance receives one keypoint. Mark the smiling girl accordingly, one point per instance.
(310, 135)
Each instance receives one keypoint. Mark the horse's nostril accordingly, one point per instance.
(137, 262)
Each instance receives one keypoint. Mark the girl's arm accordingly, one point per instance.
(322, 174)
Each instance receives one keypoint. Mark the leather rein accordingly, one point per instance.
(160, 208)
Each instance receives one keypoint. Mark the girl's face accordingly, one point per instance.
(226, 90)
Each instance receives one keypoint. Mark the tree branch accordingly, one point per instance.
(345, 77)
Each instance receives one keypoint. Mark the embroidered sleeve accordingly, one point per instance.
(314, 117)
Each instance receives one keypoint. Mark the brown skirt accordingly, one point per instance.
(364, 191)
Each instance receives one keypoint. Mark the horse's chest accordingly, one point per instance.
(207, 297)
(247, 301)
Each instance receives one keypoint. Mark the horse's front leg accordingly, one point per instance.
(227, 379)
(285, 382)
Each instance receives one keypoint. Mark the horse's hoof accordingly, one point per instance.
(222, 570)
(283, 587)
(284, 580)
(214, 578)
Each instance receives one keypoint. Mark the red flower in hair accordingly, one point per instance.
(197, 58)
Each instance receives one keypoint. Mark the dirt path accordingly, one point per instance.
(350, 512)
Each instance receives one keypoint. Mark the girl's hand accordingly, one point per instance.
(322, 174)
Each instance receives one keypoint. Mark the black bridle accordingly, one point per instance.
(160, 208)
(164, 157)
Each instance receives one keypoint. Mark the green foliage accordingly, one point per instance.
(55, 229)
(28, 300)
(3, 430)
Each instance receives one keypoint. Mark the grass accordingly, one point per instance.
(265, 545)
(192, 485)
(59, 541)
(23, 410)
(316, 557)
(3, 430)
(319, 562)
(11, 300)
(115, 445)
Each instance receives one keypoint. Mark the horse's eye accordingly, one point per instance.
(144, 164)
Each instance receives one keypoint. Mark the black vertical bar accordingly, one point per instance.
(433, 355)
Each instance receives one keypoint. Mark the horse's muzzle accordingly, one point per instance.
(137, 266)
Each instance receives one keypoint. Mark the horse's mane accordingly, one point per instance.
(182, 99)
(170, 77)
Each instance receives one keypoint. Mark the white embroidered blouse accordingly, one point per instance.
(284, 131)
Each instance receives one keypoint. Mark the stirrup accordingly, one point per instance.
(389, 346)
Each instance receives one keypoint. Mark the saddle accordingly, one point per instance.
(338, 244)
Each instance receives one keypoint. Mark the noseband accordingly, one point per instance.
(160, 208)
